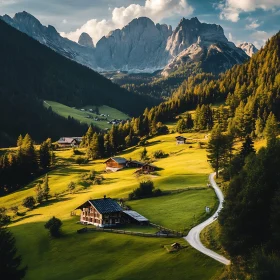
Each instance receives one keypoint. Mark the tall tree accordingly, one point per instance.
(10, 261)
(271, 129)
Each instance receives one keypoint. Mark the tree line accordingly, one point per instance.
(25, 162)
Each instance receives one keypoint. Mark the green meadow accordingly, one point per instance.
(82, 116)
(97, 255)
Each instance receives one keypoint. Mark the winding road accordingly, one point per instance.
(194, 235)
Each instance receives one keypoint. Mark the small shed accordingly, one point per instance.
(132, 217)
(146, 169)
(115, 163)
(135, 163)
(181, 139)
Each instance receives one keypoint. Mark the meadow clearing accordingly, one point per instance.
(98, 255)
(82, 116)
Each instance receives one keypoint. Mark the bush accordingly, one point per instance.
(15, 209)
(4, 218)
(71, 187)
(160, 154)
(54, 225)
(29, 202)
(77, 152)
(146, 189)
(81, 160)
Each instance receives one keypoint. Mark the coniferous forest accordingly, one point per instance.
(230, 112)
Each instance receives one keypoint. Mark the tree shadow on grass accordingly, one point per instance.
(69, 170)
(25, 217)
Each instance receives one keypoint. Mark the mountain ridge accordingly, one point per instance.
(140, 46)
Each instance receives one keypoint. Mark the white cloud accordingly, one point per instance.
(260, 37)
(231, 9)
(64, 21)
(253, 25)
(154, 9)
(7, 2)
(230, 37)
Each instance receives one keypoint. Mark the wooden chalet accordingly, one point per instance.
(181, 139)
(104, 212)
(68, 142)
(146, 169)
(115, 163)
(135, 163)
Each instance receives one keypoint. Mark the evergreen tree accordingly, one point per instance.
(46, 188)
(271, 129)
(93, 149)
(219, 149)
(143, 154)
(54, 225)
(189, 121)
(10, 261)
(39, 193)
(247, 147)
(181, 126)
(45, 155)
(19, 141)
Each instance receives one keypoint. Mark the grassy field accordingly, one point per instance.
(82, 116)
(98, 255)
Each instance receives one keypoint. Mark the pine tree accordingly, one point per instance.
(39, 193)
(10, 261)
(19, 141)
(219, 149)
(45, 155)
(247, 147)
(93, 149)
(189, 121)
(46, 188)
(271, 129)
(181, 126)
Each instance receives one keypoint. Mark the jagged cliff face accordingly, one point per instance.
(248, 48)
(142, 46)
(193, 42)
(48, 36)
(85, 40)
(139, 46)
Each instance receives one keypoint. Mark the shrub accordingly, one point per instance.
(77, 152)
(29, 202)
(146, 189)
(160, 154)
(14, 209)
(81, 160)
(4, 218)
(54, 225)
(71, 187)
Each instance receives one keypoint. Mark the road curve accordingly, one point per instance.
(194, 235)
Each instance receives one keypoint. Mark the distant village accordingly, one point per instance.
(102, 117)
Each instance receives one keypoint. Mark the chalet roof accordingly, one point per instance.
(149, 164)
(180, 137)
(136, 216)
(119, 160)
(103, 205)
(137, 162)
(66, 140)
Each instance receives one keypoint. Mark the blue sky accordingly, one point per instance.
(243, 20)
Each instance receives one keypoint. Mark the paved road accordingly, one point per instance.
(193, 236)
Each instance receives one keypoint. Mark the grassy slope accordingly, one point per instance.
(110, 256)
(81, 116)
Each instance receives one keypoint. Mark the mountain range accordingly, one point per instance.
(141, 46)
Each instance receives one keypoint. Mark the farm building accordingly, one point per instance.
(146, 169)
(67, 142)
(115, 163)
(181, 140)
(102, 212)
(134, 217)
(106, 212)
(135, 163)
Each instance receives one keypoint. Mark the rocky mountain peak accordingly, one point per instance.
(85, 40)
(26, 18)
(248, 48)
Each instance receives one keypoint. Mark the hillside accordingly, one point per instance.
(84, 115)
(185, 169)
(31, 72)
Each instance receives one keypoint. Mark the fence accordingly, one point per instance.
(143, 234)
(168, 230)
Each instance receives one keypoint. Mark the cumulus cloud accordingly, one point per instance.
(260, 37)
(231, 9)
(252, 25)
(154, 9)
